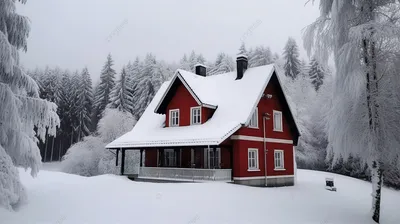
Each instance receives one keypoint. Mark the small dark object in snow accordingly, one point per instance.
(329, 184)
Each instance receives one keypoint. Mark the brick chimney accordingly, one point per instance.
(241, 65)
(201, 70)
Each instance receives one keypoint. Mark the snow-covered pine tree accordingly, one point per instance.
(184, 63)
(363, 36)
(224, 63)
(260, 56)
(84, 104)
(201, 59)
(243, 50)
(107, 83)
(291, 56)
(149, 82)
(316, 73)
(21, 109)
(121, 95)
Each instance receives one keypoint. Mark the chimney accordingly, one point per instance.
(201, 70)
(241, 65)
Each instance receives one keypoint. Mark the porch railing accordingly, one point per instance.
(186, 173)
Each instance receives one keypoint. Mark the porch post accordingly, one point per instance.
(141, 157)
(161, 157)
(177, 162)
(116, 160)
(231, 160)
(215, 157)
(122, 161)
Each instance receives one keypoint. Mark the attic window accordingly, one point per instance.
(195, 115)
(278, 126)
(254, 119)
(174, 118)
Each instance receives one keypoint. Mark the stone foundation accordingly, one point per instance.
(271, 182)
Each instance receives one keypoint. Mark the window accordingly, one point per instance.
(211, 161)
(195, 115)
(254, 119)
(174, 117)
(253, 159)
(278, 121)
(169, 157)
(278, 160)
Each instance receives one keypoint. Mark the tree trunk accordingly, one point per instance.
(377, 179)
(369, 54)
(45, 148)
(52, 149)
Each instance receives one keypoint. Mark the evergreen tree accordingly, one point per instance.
(291, 56)
(85, 104)
(316, 73)
(102, 96)
(21, 111)
(260, 56)
(242, 50)
(121, 96)
(223, 64)
(184, 63)
(149, 82)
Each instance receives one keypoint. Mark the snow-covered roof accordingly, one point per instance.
(235, 100)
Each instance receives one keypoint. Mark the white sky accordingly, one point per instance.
(76, 33)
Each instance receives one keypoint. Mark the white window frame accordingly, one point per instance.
(170, 156)
(281, 121)
(281, 159)
(171, 118)
(193, 114)
(254, 116)
(256, 160)
(207, 158)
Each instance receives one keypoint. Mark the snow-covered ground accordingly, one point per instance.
(59, 198)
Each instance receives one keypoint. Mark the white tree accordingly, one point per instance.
(21, 109)
(90, 157)
(243, 50)
(224, 63)
(316, 73)
(121, 96)
(363, 36)
(260, 56)
(292, 62)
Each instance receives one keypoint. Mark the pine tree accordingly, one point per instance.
(292, 62)
(260, 56)
(223, 64)
(184, 63)
(149, 82)
(242, 50)
(316, 73)
(21, 109)
(121, 95)
(102, 95)
(85, 104)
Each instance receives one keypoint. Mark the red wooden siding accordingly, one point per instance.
(241, 146)
(183, 101)
(267, 106)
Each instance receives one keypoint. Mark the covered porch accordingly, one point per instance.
(200, 163)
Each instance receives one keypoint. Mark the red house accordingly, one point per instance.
(236, 126)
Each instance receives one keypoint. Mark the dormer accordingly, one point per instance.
(181, 105)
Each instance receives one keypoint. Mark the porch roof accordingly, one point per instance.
(235, 100)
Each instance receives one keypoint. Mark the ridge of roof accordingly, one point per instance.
(221, 90)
